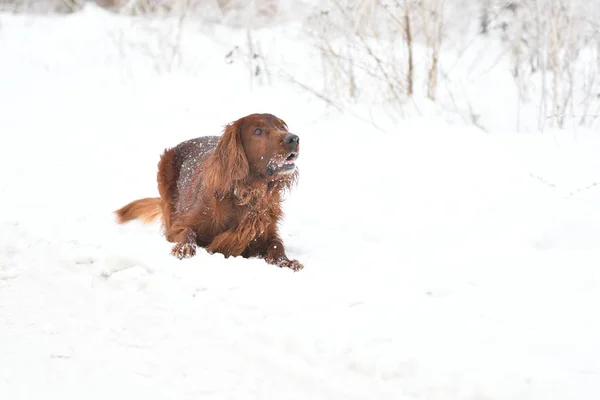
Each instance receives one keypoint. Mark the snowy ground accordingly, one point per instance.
(440, 262)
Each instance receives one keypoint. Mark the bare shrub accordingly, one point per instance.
(367, 47)
(554, 50)
(235, 13)
(41, 6)
(389, 52)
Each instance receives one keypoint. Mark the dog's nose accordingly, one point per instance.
(292, 140)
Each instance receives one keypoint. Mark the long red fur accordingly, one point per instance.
(214, 192)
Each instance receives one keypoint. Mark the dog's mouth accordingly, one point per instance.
(291, 157)
(284, 165)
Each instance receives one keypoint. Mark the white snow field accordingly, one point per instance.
(441, 262)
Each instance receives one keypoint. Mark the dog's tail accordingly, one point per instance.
(145, 209)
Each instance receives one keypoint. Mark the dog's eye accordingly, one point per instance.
(258, 131)
(283, 128)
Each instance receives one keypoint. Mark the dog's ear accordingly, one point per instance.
(228, 165)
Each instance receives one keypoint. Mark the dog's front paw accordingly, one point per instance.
(184, 250)
(294, 265)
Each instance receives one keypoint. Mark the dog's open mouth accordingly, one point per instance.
(284, 165)
(290, 158)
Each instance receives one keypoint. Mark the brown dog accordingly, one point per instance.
(224, 194)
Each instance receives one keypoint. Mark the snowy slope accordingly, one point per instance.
(440, 262)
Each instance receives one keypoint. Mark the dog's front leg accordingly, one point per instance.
(185, 246)
(274, 253)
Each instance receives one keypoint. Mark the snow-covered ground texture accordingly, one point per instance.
(440, 262)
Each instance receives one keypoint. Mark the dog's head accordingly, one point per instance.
(257, 146)
(270, 148)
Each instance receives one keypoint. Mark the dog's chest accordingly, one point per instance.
(257, 211)
(251, 213)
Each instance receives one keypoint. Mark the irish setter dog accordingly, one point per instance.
(224, 193)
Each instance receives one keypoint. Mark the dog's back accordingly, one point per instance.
(187, 158)
(177, 170)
